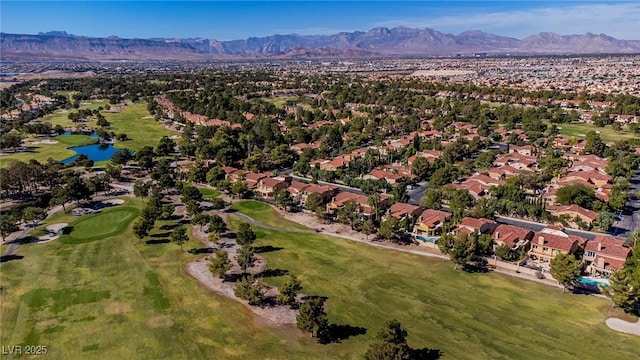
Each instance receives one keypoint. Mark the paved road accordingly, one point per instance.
(15, 237)
(416, 194)
(630, 220)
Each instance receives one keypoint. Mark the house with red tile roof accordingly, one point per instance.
(252, 178)
(403, 210)
(502, 172)
(469, 225)
(605, 254)
(595, 178)
(430, 223)
(362, 201)
(268, 187)
(389, 177)
(476, 189)
(551, 241)
(296, 189)
(573, 211)
(513, 236)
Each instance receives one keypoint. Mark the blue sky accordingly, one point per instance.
(227, 20)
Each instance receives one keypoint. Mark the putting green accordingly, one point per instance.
(100, 226)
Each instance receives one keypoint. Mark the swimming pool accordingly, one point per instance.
(597, 282)
(430, 239)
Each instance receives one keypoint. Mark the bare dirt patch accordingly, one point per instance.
(199, 269)
(278, 315)
(160, 321)
(42, 325)
(115, 307)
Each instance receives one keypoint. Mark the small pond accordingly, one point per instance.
(95, 152)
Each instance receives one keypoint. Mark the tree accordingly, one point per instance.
(240, 189)
(179, 236)
(220, 264)
(368, 228)
(250, 289)
(192, 207)
(594, 145)
(289, 290)
(76, 188)
(505, 253)
(245, 235)
(390, 344)
(565, 269)
(314, 202)
(200, 219)
(166, 146)
(246, 257)
(8, 224)
(374, 202)
(121, 157)
(59, 197)
(10, 140)
(216, 223)
(620, 290)
(463, 249)
(141, 188)
(432, 199)
(605, 220)
(578, 194)
(141, 228)
(283, 199)
(33, 215)
(312, 317)
(190, 193)
(388, 228)
(348, 214)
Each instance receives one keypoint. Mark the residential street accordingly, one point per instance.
(631, 214)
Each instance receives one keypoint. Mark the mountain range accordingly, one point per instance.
(377, 42)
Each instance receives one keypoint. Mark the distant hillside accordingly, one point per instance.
(398, 41)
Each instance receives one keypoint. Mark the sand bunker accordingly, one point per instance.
(113, 202)
(624, 326)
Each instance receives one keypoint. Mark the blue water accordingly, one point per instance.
(95, 152)
(592, 282)
(430, 239)
(92, 135)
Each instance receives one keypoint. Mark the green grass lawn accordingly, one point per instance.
(467, 316)
(119, 297)
(607, 133)
(42, 152)
(110, 222)
(208, 194)
(134, 120)
(122, 298)
(61, 118)
(263, 213)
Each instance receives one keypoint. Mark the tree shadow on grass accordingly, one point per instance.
(204, 250)
(157, 241)
(266, 249)
(273, 273)
(7, 258)
(425, 354)
(160, 235)
(337, 333)
(169, 226)
(475, 268)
